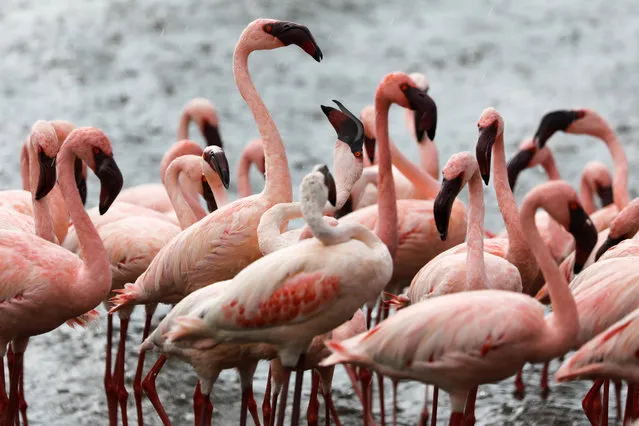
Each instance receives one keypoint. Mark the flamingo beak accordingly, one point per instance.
(212, 135)
(111, 180)
(552, 122)
(585, 234)
(330, 184)
(444, 204)
(349, 128)
(518, 164)
(369, 144)
(216, 158)
(605, 195)
(425, 112)
(292, 33)
(608, 244)
(484, 149)
(208, 196)
(80, 180)
(346, 208)
(47, 179)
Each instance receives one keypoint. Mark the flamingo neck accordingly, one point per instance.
(550, 167)
(94, 255)
(186, 212)
(217, 187)
(243, 176)
(178, 149)
(24, 167)
(564, 326)
(518, 251)
(273, 223)
(476, 278)
(429, 158)
(620, 161)
(425, 183)
(278, 187)
(586, 194)
(183, 127)
(386, 204)
(41, 213)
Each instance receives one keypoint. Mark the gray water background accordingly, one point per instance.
(129, 67)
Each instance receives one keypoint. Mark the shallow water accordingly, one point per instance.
(129, 67)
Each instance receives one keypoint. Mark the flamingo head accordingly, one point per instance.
(560, 120)
(490, 126)
(624, 227)
(528, 156)
(597, 176)
(44, 141)
(62, 130)
(456, 173)
(422, 82)
(266, 34)
(368, 120)
(216, 159)
(203, 113)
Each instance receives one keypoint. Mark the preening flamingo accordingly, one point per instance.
(253, 153)
(40, 277)
(223, 243)
(458, 341)
(153, 195)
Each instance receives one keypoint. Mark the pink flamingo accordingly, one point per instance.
(39, 275)
(153, 195)
(610, 354)
(131, 244)
(224, 242)
(325, 285)
(459, 341)
(253, 153)
(625, 226)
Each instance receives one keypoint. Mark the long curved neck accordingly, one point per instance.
(587, 195)
(387, 203)
(565, 322)
(41, 213)
(425, 183)
(94, 255)
(476, 278)
(183, 127)
(243, 176)
(278, 187)
(184, 212)
(550, 167)
(620, 161)
(273, 223)
(217, 188)
(518, 251)
(24, 167)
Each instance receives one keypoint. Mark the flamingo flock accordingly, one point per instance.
(391, 276)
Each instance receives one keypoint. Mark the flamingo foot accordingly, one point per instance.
(520, 387)
(148, 385)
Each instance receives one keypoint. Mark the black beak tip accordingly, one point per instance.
(485, 178)
(420, 135)
(39, 195)
(443, 235)
(326, 109)
(318, 56)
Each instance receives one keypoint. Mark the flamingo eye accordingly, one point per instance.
(573, 205)
(358, 154)
(403, 87)
(268, 28)
(96, 150)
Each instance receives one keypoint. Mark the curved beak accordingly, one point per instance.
(349, 128)
(552, 122)
(444, 204)
(330, 184)
(585, 234)
(484, 149)
(608, 244)
(605, 195)
(111, 180)
(207, 194)
(216, 158)
(292, 33)
(425, 112)
(518, 164)
(47, 178)
(346, 208)
(80, 180)
(212, 135)
(369, 144)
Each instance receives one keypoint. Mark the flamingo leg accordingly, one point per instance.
(606, 396)
(22, 403)
(274, 399)
(297, 395)
(13, 391)
(284, 397)
(313, 402)
(423, 418)
(456, 419)
(137, 381)
(545, 389)
(198, 401)
(122, 393)
(148, 384)
(204, 408)
(4, 398)
(630, 399)
(469, 412)
(328, 401)
(252, 406)
(365, 377)
(352, 375)
(618, 398)
(382, 410)
(590, 401)
(395, 402)
(520, 387)
(433, 418)
(266, 404)
(112, 400)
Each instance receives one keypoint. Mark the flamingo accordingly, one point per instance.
(39, 276)
(312, 266)
(610, 354)
(625, 226)
(459, 341)
(131, 244)
(223, 243)
(253, 153)
(153, 195)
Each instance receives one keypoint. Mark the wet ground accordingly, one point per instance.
(129, 67)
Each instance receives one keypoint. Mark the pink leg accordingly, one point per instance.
(394, 402)
(274, 399)
(423, 418)
(365, 377)
(266, 404)
(433, 419)
(284, 397)
(4, 398)
(148, 384)
(22, 403)
(606, 396)
(252, 406)
(456, 419)
(297, 394)
(591, 401)
(313, 402)
(618, 397)
(382, 410)
(630, 399)
(208, 412)
(520, 388)
(469, 412)
(109, 389)
(12, 411)
(198, 403)
(123, 395)
(635, 403)
(137, 381)
(328, 401)
(352, 374)
(545, 389)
